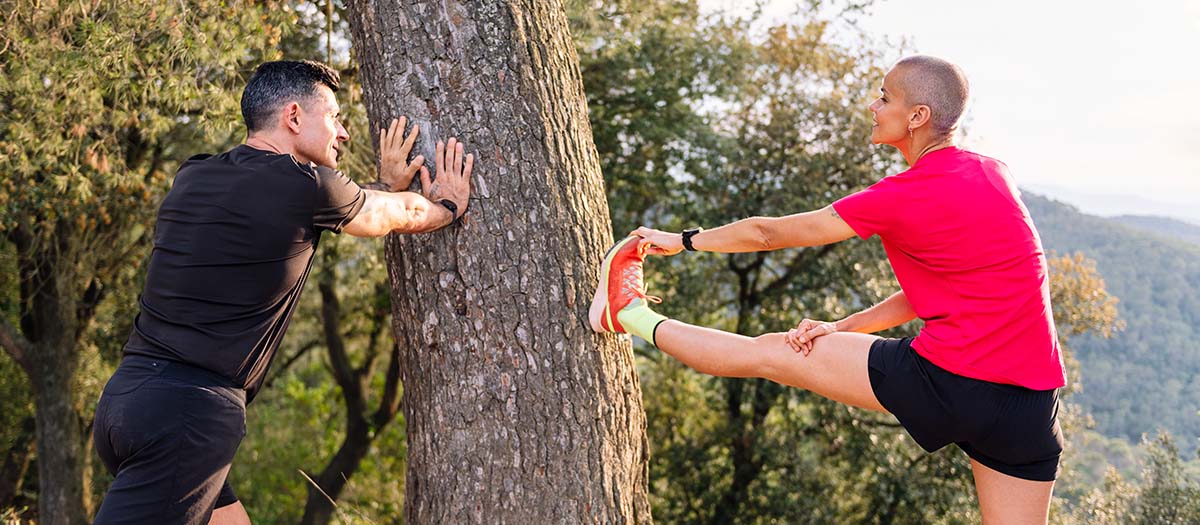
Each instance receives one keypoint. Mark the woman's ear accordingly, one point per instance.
(921, 114)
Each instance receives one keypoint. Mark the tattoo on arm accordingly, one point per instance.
(834, 212)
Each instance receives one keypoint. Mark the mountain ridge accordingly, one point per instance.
(1147, 376)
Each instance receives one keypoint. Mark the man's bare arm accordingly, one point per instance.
(401, 212)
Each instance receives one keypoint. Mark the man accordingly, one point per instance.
(984, 371)
(233, 245)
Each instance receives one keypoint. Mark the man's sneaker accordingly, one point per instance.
(620, 284)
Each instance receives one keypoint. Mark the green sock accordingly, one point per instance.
(638, 319)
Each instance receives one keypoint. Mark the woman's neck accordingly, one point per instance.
(918, 148)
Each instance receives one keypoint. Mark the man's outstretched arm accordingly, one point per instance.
(401, 212)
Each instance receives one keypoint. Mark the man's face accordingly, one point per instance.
(891, 112)
(321, 130)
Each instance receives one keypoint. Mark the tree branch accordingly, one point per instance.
(343, 371)
(289, 362)
(876, 422)
(87, 306)
(797, 265)
(14, 343)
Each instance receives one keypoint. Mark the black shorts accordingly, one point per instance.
(1008, 428)
(168, 433)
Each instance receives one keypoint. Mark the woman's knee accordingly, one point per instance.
(766, 360)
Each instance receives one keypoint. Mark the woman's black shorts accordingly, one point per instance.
(1008, 428)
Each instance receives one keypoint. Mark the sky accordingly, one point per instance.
(1093, 103)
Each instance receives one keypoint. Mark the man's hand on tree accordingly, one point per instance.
(394, 148)
(453, 179)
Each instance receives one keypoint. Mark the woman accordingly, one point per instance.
(984, 371)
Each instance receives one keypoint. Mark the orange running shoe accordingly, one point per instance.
(620, 284)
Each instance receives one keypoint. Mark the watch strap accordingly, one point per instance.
(687, 238)
(449, 205)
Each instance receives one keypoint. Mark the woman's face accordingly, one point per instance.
(891, 113)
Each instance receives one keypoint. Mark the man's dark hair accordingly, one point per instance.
(276, 83)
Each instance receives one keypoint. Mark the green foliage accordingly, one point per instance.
(754, 125)
(1165, 496)
(1081, 303)
(101, 99)
(289, 429)
(1162, 226)
(16, 400)
(16, 404)
(647, 68)
(1147, 376)
(99, 95)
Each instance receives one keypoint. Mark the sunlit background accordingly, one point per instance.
(1093, 103)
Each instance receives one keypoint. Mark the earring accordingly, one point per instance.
(910, 133)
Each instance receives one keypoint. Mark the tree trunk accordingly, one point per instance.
(59, 451)
(318, 509)
(516, 412)
(16, 463)
(51, 317)
(746, 428)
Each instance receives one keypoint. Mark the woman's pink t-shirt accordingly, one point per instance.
(971, 263)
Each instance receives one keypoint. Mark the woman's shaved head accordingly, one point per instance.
(933, 82)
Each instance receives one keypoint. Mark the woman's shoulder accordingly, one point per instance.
(982, 159)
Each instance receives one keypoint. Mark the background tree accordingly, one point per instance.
(95, 95)
(516, 411)
(1166, 495)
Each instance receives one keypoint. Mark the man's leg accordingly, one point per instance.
(1007, 500)
(173, 444)
(836, 368)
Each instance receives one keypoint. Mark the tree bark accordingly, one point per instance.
(516, 412)
(59, 448)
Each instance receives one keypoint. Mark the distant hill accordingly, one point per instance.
(1148, 376)
(1184, 231)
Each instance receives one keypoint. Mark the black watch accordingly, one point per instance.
(687, 238)
(449, 204)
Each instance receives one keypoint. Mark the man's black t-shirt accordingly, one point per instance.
(233, 245)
